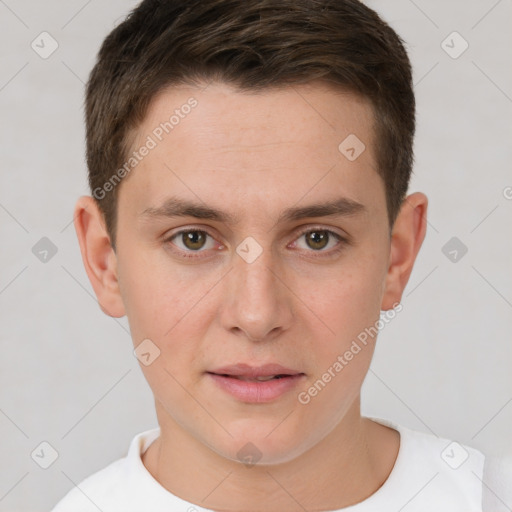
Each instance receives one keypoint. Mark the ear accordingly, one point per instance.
(99, 258)
(406, 239)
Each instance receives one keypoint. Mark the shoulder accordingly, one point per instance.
(443, 473)
(113, 487)
(87, 495)
(498, 483)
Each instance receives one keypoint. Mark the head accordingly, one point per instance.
(249, 163)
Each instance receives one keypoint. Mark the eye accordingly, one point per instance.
(187, 242)
(320, 240)
(192, 240)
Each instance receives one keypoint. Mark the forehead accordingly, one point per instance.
(281, 144)
(223, 115)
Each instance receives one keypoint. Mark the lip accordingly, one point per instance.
(231, 379)
(245, 370)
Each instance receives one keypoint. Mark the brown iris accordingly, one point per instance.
(194, 240)
(317, 239)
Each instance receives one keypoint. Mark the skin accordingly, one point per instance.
(298, 304)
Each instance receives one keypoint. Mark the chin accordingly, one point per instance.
(262, 443)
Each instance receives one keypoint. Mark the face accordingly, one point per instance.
(250, 245)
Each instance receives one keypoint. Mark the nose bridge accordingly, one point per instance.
(258, 303)
(255, 283)
(255, 278)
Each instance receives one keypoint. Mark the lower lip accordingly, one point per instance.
(254, 391)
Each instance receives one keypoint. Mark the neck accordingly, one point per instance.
(346, 467)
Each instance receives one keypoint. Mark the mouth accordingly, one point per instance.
(256, 384)
(261, 378)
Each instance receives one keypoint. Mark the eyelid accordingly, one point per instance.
(328, 229)
(189, 228)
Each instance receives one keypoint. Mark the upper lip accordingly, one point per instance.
(245, 370)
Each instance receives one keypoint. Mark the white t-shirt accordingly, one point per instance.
(430, 474)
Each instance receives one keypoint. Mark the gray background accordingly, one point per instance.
(67, 372)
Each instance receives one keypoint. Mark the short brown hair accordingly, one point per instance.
(251, 44)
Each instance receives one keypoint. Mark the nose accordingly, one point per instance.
(259, 301)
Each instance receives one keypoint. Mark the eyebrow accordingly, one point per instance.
(176, 207)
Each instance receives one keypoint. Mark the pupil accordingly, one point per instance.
(319, 239)
(194, 239)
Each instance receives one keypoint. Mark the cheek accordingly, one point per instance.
(344, 354)
(159, 298)
(142, 295)
(348, 299)
(165, 307)
(350, 307)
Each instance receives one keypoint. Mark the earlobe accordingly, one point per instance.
(406, 239)
(99, 259)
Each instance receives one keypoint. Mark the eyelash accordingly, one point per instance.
(189, 254)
